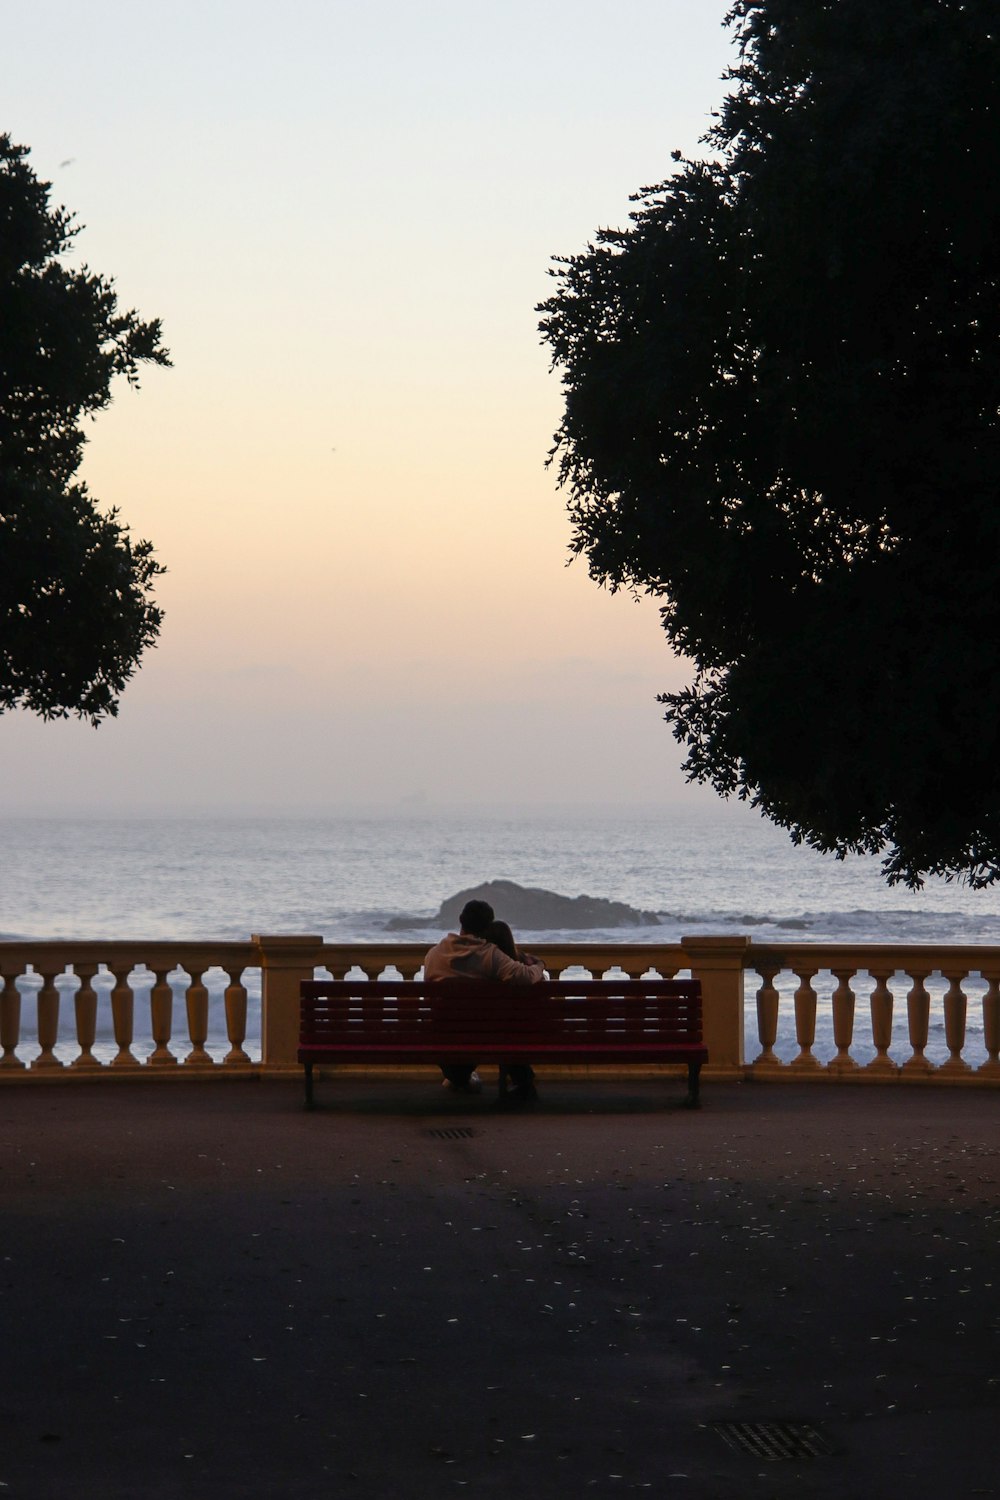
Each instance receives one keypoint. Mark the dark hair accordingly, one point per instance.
(499, 933)
(475, 917)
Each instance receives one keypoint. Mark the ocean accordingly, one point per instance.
(720, 871)
(348, 877)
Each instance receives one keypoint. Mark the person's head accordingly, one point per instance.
(499, 933)
(475, 917)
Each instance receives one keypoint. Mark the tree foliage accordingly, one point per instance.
(782, 388)
(76, 611)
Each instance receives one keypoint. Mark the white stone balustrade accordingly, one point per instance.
(863, 1012)
(85, 998)
(882, 1008)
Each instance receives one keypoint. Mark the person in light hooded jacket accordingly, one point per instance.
(468, 954)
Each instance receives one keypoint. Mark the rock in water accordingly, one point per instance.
(531, 909)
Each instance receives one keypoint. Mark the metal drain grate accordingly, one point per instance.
(772, 1441)
(453, 1133)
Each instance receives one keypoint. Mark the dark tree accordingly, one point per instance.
(75, 592)
(782, 387)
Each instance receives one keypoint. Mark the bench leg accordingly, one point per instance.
(693, 1100)
(310, 1101)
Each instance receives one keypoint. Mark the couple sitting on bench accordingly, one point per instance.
(485, 949)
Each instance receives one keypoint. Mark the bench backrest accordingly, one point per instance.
(411, 1012)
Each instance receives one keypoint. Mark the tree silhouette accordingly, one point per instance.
(75, 592)
(781, 419)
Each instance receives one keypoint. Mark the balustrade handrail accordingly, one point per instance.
(949, 995)
(68, 951)
(920, 954)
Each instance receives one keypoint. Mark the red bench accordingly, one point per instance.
(476, 1021)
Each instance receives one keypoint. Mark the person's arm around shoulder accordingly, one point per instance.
(510, 971)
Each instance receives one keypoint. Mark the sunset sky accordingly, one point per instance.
(344, 213)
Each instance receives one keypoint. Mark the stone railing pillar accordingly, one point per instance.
(284, 963)
(718, 962)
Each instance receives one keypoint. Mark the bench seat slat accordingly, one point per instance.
(502, 1052)
(544, 1013)
(525, 1033)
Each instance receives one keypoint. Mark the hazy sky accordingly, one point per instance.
(344, 212)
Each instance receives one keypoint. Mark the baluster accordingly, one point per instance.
(955, 1011)
(881, 1012)
(10, 1023)
(842, 1002)
(236, 1022)
(196, 1005)
(633, 972)
(918, 1013)
(161, 1016)
(991, 1026)
(408, 967)
(48, 1022)
(767, 1021)
(85, 1006)
(805, 1023)
(123, 1020)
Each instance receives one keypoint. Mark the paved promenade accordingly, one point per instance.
(206, 1292)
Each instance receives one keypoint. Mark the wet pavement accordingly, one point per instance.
(205, 1291)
